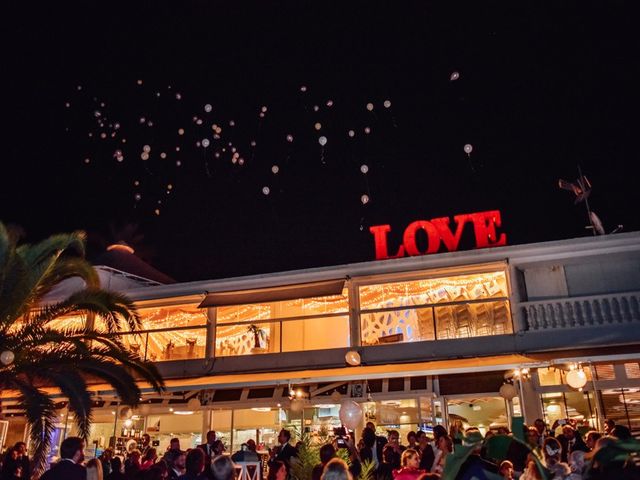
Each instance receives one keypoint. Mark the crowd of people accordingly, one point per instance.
(556, 453)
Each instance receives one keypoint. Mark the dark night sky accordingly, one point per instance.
(543, 86)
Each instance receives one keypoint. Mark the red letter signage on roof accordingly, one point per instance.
(438, 231)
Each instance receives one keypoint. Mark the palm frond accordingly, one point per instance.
(41, 416)
(64, 268)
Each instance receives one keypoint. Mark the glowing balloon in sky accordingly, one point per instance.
(468, 148)
(322, 140)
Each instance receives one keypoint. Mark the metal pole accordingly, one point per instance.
(599, 416)
(522, 409)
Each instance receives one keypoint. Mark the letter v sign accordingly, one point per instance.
(450, 240)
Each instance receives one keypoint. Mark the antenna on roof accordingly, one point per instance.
(582, 189)
(596, 224)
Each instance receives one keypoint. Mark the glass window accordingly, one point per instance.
(295, 308)
(623, 406)
(169, 333)
(435, 308)
(486, 413)
(578, 406)
(284, 326)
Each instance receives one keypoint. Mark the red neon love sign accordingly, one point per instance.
(438, 231)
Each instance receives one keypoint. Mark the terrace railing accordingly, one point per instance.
(588, 311)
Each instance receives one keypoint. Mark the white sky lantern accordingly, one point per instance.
(468, 148)
(322, 140)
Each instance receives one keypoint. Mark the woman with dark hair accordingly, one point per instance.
(222, 468)
(552, 451)
(194, 465)
(336, 469)
(277, 470)
(116, 470)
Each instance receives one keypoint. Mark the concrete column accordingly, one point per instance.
(531, 399)
(516, 295)
(354, 317)
(210, 346)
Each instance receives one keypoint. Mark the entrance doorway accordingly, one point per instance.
(486, 413)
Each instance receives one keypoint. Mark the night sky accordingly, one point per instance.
(542, 87)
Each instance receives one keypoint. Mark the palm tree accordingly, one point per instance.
(36, 354)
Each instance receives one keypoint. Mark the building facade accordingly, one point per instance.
(415, 342)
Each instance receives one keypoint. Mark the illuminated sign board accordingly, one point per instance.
(439, 232)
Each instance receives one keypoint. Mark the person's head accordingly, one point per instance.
(251, 445)
(551, 450)
(568, 432)
(284, 436)
(336, 469)
(211, 437)
(116, 465)
(151, 455)
(608, 426)
(369, 437)
(411, 438)
(72, 448)
(176, 459)
(21, 447)
(591, 439)
(445, 444)
(439, 431)
(146, 439)
(158, 471)
(388, 454)
(14, 453)
(621, 432)
(393, 437)
(533, 436)
(327, 452)
(218, 447)
(94, 469)
(576, 461)
(371, 425)
(174, 444)
(506, 469)
(410, 458)
(134, 456)
(423, 441)
(195, 461)
(107, 455)
(222, 468)
(277, 471)
(539, 425)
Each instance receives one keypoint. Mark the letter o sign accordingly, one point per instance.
(409, 238)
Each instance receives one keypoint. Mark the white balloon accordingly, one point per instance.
(303, 88)
(266, 190)
(367, 130)
(454, 76)
(125, 412)
(145, 409)
(350, 414)
(577, 378)
(364, 168)
(208, 108)
(317, 126)
(205, 142)
(297, 405)
(275, 169)
(352, 358)
(144, 156)
(322, 140)
(468, 148)
(7, 357)
(370, 107)
(508, 391)
(351, 133)
(193, 403)
(289, 138)
(387, 104)
(146, 148)
(364, 199)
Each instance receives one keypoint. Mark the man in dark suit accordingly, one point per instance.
(570, 441)
(70, 465)
(209, 452)
(285, 451)
(379, 443)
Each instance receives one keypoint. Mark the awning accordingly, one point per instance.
(273, 294)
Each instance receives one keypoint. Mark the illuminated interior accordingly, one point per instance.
(170, 333)
(284, 326)
(435, 308)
